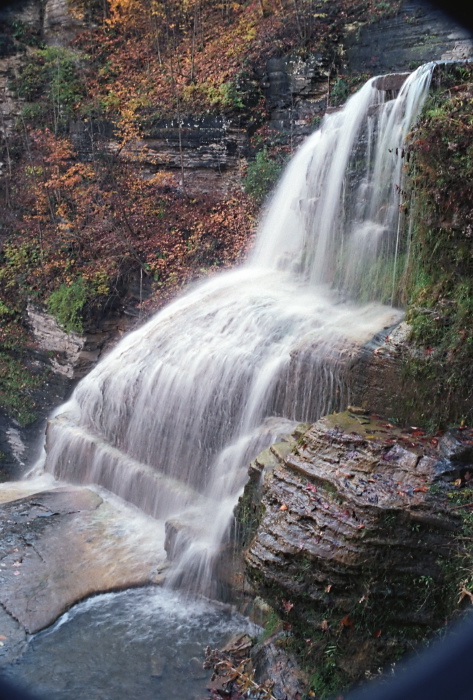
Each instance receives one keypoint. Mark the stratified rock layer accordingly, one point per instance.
(353, 537)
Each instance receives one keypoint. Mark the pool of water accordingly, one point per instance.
(143, 644)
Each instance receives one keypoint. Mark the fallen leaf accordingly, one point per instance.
(347, 622)
(328, 588)
(324, 625)
(422, 489)
(361, 526)
(283, 507)
(377, 634)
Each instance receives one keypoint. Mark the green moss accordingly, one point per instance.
(16, 386)
(51, 77)
(262, 175)
(439, 280)
(66, 304)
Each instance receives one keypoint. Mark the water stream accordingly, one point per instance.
(170, 419)
(141, 644)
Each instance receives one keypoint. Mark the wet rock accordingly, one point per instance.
(13, 638)
(196, 670)
(352, 531)
(457, 445)
(62, 545)
(272, 663)
(157, 666)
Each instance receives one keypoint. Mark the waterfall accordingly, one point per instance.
(170, 419)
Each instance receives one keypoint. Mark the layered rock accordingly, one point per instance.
(203, 154)
(70, 354)
(354, 544)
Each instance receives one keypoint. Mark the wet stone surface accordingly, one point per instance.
(60, 546)
(356, 531)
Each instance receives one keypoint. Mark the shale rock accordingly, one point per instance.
(60, 546)
(353, 538)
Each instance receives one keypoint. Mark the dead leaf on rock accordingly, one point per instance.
(287, 605)
(283, 507)
(347, 622)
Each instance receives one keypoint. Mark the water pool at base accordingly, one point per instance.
(139, 644)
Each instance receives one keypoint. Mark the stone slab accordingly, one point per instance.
(60, 546)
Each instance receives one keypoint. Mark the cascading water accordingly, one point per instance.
(171, 417)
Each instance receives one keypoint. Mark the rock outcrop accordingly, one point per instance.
(70, 354)
(60, 546)
(355, 535)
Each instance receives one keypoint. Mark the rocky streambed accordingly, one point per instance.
(356, 532)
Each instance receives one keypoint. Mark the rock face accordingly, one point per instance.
(352, 536)
(205, 155)
(59, 24)
(377, 378)
(417, 34)
(60, 546)
(297, 90)
(70, 354)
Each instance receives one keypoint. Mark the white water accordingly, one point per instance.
(170, 419)
(140, 644)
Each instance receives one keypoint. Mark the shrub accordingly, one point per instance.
(66, 304)
(262, 175)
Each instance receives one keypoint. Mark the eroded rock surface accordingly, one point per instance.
(63, 545)
(353, 537)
